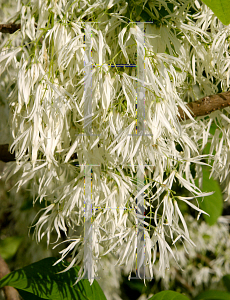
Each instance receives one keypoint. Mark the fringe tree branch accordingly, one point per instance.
(201, 107)
(9, 28)
(206, 105)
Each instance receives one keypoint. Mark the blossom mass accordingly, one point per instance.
(103, 143)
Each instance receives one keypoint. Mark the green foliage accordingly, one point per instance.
(168, 295)
(211, 295)
(142, 11)
(226, 281)
(28, 296)
(9, 246)
(221, 9)
(212, 204)
(42, 280)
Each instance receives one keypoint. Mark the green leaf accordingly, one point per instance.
(212, 204)
(28, 296)
(9, 246)
(42, 280)
(221, 9)
(226, 280)
(169, 295)
(138, 9)
(211, 295)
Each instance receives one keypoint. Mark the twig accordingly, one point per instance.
(206, 105)
(10, 292)
(9, 28)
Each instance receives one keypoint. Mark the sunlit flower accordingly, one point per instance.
(65, 67)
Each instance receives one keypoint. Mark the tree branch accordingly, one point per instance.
(10, 292)
(201, 107)
(206, 105)
(9, 28)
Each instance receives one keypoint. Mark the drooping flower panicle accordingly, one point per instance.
(68, 55)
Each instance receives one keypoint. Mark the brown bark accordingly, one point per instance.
(10, 292)
(206, 105)
(9, 28)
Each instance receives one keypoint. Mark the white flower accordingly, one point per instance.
(48, 119)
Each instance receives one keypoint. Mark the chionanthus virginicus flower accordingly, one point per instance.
(68, 79)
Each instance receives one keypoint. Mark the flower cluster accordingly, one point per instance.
(195, 267)
(67, 80)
